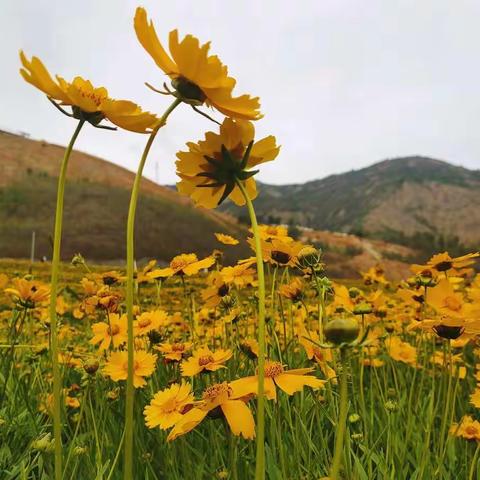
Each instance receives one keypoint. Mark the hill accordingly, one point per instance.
(416, 201)
(96, 206)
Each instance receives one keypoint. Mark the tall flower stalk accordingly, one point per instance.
(218, 168)
(342, 416)
(260, 451)
(88, 104)
(57, 239)
(130, 394)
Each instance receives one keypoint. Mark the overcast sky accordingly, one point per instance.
(343, 83)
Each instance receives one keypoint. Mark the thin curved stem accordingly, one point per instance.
(260, 453)
(128, 466)
(473, 466)
(57, 239)
(342, 417)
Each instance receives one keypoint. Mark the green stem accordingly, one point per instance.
(342, 417)
(128, 468)
(57, 239)
(260, 454)
(471, 475)
(450, 404)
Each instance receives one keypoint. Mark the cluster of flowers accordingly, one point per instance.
(440, 299)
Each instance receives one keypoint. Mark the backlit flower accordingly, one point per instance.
(184, 264)
(28, 293)
(88, 102)
(293, 290)
(401, 351)
(211, 168)
(240, 275)
(281, 252)
(217, 289)
(197, 77)
(226, 239)
(443, 262)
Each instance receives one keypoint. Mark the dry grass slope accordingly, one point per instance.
(96, 207)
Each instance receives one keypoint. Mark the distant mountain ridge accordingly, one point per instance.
(416, 201)
(422, 203)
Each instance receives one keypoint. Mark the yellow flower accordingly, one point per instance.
(148, 321)
(401, 351)
(28, 293)
(321, 355)
(114, 331)
(168, 405)
(142, 277)
(211, 168)
(174, 352)
(216, 290)
(475, 398)
(468, 429)
(226, 239)
(87, 102)
(293, 290)
(445, 300)
(290, 381)
(249, 346)
(341, 300)
(197, 77)
(279, 251)
(442, 262)
(184, 264)
(240, 274)
(374, 275)
(268, 232)
(117, 366)
(62, 306)
(110, 278)
(3, 280)
(205, 359)
(218, 396)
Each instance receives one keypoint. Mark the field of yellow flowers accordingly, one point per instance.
(199, 370)
(391, 369)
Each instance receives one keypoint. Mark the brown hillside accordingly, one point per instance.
(419, 208)
(96, 207)
(347, 256)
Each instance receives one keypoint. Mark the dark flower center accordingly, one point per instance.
(223, 290)
(280, 257)
(450, 333)
(443, 266)
(188, 90)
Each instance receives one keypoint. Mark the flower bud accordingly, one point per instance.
(362, 309)
(342, 330)
(309, 257)
(391, 406)
(354, 418)
(91, 367)
(78, 260)
(79, 450)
